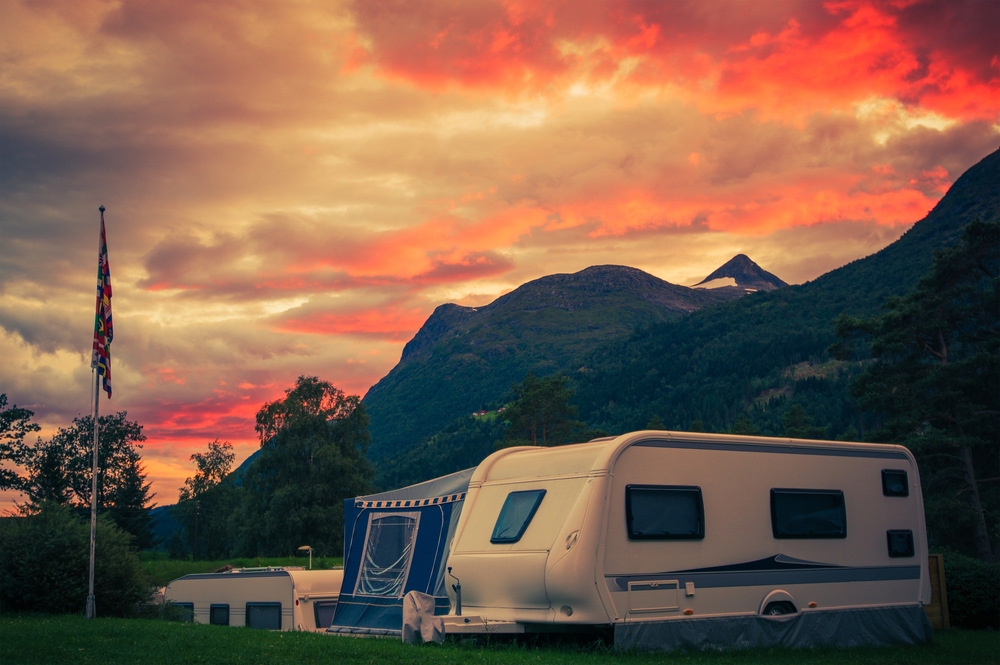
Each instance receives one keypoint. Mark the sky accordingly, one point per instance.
(293, 187)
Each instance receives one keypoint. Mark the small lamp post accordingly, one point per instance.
(303, 549)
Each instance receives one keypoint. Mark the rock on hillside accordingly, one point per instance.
(748, 275)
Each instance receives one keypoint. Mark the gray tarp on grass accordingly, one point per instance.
(871, 626)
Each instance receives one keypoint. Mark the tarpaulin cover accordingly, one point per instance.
(392, 549)
(870, 626)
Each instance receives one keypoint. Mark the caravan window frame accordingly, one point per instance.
(888, 488)
(687, 489)
(405, 573)
(779, 528)
(497, 538)
(211, 613)
(268, 604)
(323, 604)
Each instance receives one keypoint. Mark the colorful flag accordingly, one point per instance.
(104, 330)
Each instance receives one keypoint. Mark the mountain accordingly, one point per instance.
(465, 358)
(755, 356)
(746, 274)
(745, 357)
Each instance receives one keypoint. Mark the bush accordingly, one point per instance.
(44, 560)
(973, 588)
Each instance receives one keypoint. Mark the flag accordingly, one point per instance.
(104, 330)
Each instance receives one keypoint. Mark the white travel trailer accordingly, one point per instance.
(685, 539)
(271, 598)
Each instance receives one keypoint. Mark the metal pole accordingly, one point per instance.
(91, 606)
(197, 509)
(91, 611)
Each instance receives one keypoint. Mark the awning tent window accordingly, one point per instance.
(387, 554)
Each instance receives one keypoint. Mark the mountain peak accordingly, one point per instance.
(740, 271)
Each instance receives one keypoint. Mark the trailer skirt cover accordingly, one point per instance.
(870, 626)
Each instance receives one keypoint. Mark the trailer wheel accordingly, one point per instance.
(779, 608)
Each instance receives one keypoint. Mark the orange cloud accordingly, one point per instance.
(392, 322)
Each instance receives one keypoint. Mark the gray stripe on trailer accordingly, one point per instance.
(773, 577)
(771, 448)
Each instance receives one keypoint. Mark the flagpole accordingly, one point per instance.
(91, 604)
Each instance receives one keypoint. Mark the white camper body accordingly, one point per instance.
(271, 598)
(661, 528)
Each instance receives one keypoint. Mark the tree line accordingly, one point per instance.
(312, 456)
(59, 469)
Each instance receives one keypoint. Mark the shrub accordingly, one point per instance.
(44, 560)
(973, 591)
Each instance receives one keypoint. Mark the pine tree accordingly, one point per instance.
(541, 414)
(60, 470)
(936, 377)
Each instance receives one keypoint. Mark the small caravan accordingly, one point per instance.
(695, 539)
(271, 598)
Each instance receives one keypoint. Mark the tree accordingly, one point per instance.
(742, 425)
(799, 424)
(44, 558)
(14, 426)
(312, 457)
(541, 414)
(935, 378)
(213, 467)
(60, 470)
(207, 501)
(655, 422)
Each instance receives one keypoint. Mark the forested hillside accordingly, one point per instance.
(464, 358)
(722, 362)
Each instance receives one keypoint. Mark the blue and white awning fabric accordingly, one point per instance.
(396, 542)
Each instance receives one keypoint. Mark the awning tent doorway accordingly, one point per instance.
(396, 542)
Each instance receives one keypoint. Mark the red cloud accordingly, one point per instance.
(787, 59)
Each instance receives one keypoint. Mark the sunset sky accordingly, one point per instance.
(293, 187)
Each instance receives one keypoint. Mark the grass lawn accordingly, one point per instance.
(72, 639)
(163, 570)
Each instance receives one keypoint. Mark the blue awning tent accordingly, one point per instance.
(396, 542)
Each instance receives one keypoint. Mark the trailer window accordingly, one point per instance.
(894, 483)
(900, 543)
(324, 612)
(218, 615)
(658, 512)
(264, 615)
(385, 563)
(187, 611)
(808, 513)
(515, 515)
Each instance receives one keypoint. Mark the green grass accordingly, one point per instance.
(72, 639)
(163, 570)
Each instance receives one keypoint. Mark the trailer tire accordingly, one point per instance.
(779, 608)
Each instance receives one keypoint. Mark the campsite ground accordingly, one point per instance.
(72, 639)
